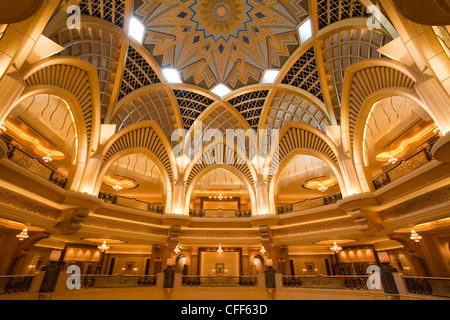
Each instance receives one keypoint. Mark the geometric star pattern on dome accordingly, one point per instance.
(218, 41)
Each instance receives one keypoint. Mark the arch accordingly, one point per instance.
(364, 176)
(296, 135)
(77, 77)
(298, 92)
(146, 135)
(363, 79)
(136, 99)
(200, 174)
(273, 185)
(76, 172)
(259, 263)
(159, 165)
(234, 157)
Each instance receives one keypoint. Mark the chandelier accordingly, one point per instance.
(336, 248)
(221, 197)
(48, 158)
(220, 250)
(322, 188)
(103, 247)
(23, 235)
(414, 236)
(118, 187)
(177, 250)
(392, 159)
(263, 250)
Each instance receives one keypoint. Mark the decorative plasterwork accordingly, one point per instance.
(99, 47)
(427, 200)
(191, 105)
(335, 224)
(345, 48)
(331, 11)
(112, 11)
(304, 74)
(250, 105)
(154, 104)
(19, 201)
(287, 106)
(231, 42)
(104, 223)
(137, 73)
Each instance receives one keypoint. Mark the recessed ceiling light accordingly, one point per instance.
(270, 76)
(137, 29)
(305, 31)
(171, 75)
(221, 90)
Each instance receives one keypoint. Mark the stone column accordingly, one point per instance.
(12, 85)
(422, 44)
(434, 255)
(178, 198)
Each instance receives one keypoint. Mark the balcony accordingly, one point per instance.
(310, 203)
(404, 167)
(131, 203)
(220, 213)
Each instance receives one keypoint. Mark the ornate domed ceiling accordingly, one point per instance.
(217, 41)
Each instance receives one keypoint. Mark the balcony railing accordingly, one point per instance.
(219, 281)
(34, 165)
(15, 284)
(220, 213)
(439, 287)
(404, 167)
(131, 203)
(310, 203)
(119, 281)
(326, 282)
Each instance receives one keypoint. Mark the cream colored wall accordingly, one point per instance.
(121, 260)
(208, 262)
(406, 259)
(30, 259)
(318, 260)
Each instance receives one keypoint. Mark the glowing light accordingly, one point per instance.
(103, 247)
(23, 235)
(220, 250)
(270, 76)
(47, 158)
(414, 236)
(305, 31)
(263, 250)
(137, 30)
(336, 248)
(171, 75)
(177, 250)
(221, 90)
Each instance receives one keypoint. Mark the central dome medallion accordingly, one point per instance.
(221, 41)
(221, 19)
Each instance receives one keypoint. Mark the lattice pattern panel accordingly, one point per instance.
(295, 139)
(229, 157)
(98, 47)
(145, 138)
(221, 119)
(369, 81)
(191, 105)
(137, 74)
(305, 75)
(331, 11)
(250, 105)
(109, 10)
(155, 105)
(290, 107)
(73, 80)
(345, 48)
